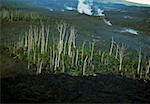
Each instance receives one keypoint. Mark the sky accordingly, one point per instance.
(140, 1)
(128, 2)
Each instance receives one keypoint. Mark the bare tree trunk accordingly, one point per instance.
(84, 66)
(63, 66)
(120, 65)
(73, 56)
(39, 65)
(39, 69)
(117, 48)
(43, 40)
(65, 44)
(102, 57)
(121, 55)
(71, 41)
(139, 62)
(50, 57)
(111, 48)
(92, 51)
(77, 55)
(55, 67)
(47, 36)
(99, 53)
(82, 51)
(58, 61)
(147, 66)
(53, 55)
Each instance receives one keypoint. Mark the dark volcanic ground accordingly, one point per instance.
(104, 88)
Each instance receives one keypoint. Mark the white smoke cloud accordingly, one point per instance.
(84, 8)
(100, 12)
